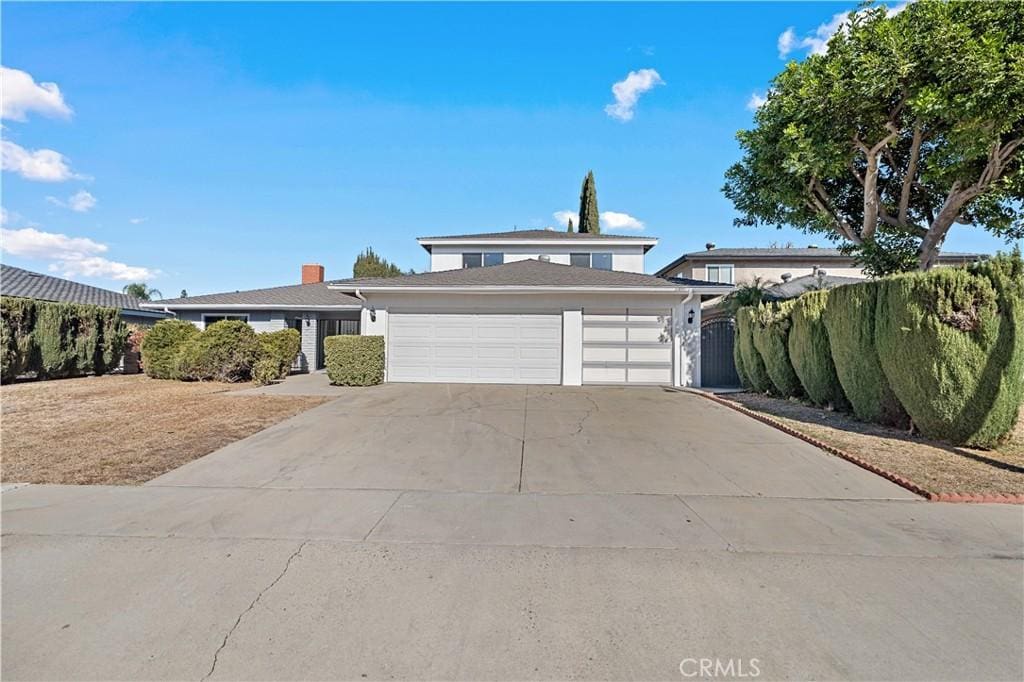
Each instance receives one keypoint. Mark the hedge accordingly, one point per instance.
(850, 320)
(737, 359)
(161, 346)
(771, 325)
(277, 351)
(224, 351)
(753, 365)
(58, 340)
(951, 344)
(354, 360)
(810, 354)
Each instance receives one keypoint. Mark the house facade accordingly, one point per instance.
(772, 265)
(530, 307)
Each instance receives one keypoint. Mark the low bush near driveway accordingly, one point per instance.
(161, 345)
(354, 360)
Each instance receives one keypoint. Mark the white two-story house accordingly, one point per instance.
(525, 307)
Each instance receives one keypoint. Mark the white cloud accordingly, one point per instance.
(610, 220)
(21, 94)
(137, 221)
(71, 256)
(81, 201)
(44, 165)
(755, 101)
(786, 42)
(4, 216)
(563, 218)
(620, 221)
(106, 269)
(817, 43)
(627, 92)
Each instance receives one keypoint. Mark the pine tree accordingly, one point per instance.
(588, 206)
(570, 226)
(369, 264)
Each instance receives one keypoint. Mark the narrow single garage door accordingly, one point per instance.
(475, 348)
(623, 346)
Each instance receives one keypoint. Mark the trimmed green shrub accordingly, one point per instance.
(19, 353)
(113, 341)
(810, 354)
(753, 365)
(737, 359)
(771, 336)
(850, 320)
(161, 346)
(952, 349)
(56, 329)
(277, 353)
(354, 360)
(224, 351)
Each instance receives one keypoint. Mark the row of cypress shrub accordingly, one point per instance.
(58, 340)
(229, 350)
(942, 349)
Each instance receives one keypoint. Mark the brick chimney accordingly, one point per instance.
(312, 273)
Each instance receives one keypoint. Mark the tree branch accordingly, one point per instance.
(908, 179)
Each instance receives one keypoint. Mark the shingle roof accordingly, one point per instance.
(27, 284)
(524, 273)
(789, 253)
(537, 234)
(315, 295)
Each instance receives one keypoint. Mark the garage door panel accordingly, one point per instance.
(627, 346)
(484, 348)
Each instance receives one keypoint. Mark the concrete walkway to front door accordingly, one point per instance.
(509, 532)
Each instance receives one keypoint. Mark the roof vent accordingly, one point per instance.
(544, 258)
(786, 276)
(709, 246)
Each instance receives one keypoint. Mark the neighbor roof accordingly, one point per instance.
(538, 235)
(788, 253)
(27, 284)
(524, 273)
(315, 295)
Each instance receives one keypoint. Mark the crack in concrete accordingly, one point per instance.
(252, 605)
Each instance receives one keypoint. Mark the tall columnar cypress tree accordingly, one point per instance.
(570, 226)
(588, 206)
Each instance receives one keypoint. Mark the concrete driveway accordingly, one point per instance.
(499, 532)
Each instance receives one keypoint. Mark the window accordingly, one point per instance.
(720, 273)
(580, 260)
(598, 261)
(210, 319)
(475, 260)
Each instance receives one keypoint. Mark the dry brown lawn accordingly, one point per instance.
(935, 466)
(124, 429)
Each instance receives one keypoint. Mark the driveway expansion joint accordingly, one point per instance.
(252, 605)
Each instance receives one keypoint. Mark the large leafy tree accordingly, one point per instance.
(369, 264)
(589, 217)
(908, 125)
(141, 291)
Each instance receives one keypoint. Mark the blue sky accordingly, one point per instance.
(216, 147)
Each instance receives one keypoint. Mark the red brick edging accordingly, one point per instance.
(895, 478)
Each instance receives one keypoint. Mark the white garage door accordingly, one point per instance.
(475, 348)
(623, 346)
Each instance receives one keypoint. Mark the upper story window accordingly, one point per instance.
(723, 274)
(476, 260)
(598, 261)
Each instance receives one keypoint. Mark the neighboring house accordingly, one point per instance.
(530, 307)
(743, 265)
(27, 284)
